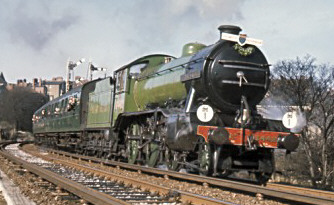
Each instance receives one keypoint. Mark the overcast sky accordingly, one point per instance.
(37, 37)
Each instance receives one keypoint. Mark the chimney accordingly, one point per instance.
(229, 29)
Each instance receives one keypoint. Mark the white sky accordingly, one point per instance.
(37, 37)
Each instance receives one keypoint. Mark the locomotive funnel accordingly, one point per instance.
(229, 29)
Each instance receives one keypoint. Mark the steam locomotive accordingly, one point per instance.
(196, 112)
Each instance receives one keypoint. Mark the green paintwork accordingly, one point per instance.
(155, 84)
(62, 121)
(132, 151)
(158, 82)
(158, 88)
(127, 93)
(98, 115)
(132, 145)
(192, 48)
(100, 105)
(152, 154)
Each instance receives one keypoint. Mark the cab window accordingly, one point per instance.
(137, 68)
(121, 77)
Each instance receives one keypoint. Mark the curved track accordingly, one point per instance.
(284, 192)
(97, 189)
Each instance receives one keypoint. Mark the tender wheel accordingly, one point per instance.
(79, 147)
(99, 154)
(205, 159)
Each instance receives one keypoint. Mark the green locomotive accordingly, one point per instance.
(196, 112)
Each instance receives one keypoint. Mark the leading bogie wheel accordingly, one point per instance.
(205, 159)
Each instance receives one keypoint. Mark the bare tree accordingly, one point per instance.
(310, 86)
(18, 105)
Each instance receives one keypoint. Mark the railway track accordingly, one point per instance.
(284, 192)
(100, 187)
(86, 178)
(305, 191)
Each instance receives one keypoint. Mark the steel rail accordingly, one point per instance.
(321, 193)
(184, 197)
(309, 197)
(88, 194)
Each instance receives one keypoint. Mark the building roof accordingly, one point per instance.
(2, 80)
(53, 82)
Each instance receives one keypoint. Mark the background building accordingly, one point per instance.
(51, 88)
(3, 83)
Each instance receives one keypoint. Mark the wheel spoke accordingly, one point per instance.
(205, 159)
(132, 151)
(152, 154)
(132, 144)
